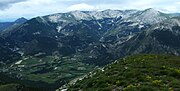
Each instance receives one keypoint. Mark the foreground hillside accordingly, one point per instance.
(135, 73)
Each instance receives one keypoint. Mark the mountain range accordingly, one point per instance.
(4, 25)
(58, 48)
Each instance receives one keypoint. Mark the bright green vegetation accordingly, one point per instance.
(52, 70)
(135, 73)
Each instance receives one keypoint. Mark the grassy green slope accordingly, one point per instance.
(135, 73)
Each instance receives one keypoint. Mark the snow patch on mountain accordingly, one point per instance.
(149, 16)
(59, 28)
(55, 18)
(79, 15)
(19, 62)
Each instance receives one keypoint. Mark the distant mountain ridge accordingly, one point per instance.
(162, 38)
(5, 25)
(125, 14)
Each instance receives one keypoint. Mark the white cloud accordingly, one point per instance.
(81, 6)
(170, 9)
(177, 3)
(4, 4)
(31, 8)
(13, 9)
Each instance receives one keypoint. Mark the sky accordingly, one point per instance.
(13, 9)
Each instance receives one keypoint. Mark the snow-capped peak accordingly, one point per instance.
(149, 16)
(151, 12)
(79, 15)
